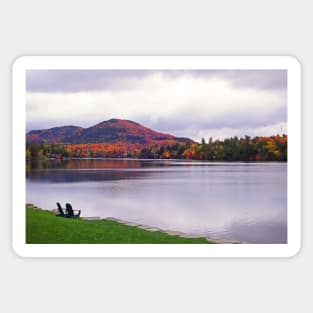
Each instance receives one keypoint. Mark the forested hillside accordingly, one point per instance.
(272, 148)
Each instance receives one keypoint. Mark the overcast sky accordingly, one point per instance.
(194, 104)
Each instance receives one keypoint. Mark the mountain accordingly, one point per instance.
(53, 135)
(111, 131)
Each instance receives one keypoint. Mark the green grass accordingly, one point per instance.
(43, 227)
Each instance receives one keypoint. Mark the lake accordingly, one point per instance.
(231, 201)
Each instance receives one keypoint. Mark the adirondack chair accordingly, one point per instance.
(70, 212)
(60, 210)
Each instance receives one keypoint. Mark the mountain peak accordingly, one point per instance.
(111, 131)
(116, 121)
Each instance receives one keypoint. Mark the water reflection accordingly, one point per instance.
(238, 201)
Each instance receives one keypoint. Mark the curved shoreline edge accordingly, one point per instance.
(169, 232)
(148, 227)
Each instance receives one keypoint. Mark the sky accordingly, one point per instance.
(187, 103)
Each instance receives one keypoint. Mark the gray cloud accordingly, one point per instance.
(233, 119)
(94, 80)
(79, 80)
(262, 79)
(189, 103)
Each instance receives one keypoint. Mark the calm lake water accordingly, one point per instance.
(235, 201)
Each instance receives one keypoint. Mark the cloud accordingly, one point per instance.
(69, 81)
(95, 80)
(259, 79)
(227, 132)
(185, 103)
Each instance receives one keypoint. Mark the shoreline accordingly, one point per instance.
(169, 232)
(157, 159)
(147, 227)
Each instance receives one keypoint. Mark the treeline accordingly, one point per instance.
(272, 148)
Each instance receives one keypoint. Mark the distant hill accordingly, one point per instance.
(111, 131)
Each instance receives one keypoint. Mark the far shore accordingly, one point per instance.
(151, 159)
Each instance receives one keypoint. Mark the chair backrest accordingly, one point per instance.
(69, 209)
(60, 208)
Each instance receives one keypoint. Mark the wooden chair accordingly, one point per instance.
(60, 210)
(70, 212)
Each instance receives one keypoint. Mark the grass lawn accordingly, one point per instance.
(45, 227)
